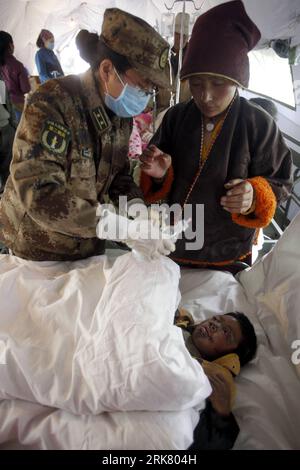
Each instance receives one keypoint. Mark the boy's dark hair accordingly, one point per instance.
(267, 105)
(247, 349)
(5, 41)
(93, 50)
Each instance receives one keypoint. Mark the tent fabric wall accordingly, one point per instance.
(24, 19)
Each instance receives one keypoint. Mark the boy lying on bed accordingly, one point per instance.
(228, 342)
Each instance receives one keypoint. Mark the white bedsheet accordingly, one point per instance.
(25, 425)
(267, 406)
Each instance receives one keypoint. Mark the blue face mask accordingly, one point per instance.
(131, 102)
(50, 45)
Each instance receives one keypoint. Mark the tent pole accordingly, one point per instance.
(177, 92)
(180, 55)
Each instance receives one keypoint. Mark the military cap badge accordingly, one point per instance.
(164, 58)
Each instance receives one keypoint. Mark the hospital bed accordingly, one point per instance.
(268, 389)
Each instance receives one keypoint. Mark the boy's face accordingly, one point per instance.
(217, 336)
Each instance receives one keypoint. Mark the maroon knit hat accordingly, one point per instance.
(220, 41)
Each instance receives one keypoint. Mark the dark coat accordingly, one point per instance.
(249, 145)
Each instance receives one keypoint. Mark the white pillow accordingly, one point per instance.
(273, 285)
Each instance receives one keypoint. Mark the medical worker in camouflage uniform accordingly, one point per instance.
(72, 142)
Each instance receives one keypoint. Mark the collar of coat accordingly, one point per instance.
(95, 103)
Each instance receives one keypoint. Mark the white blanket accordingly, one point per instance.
(267, 406)
(123, 353)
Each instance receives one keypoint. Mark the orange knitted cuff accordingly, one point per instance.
(264, 208)
(146, 184)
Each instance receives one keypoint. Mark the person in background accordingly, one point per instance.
(144, 124)
(267, 105)
(46, 61)
(141, 135)
(7, 133)
(176, 47)
(14, 74)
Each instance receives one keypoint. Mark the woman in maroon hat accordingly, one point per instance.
(218, 149)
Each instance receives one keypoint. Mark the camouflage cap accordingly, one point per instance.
(135, 39)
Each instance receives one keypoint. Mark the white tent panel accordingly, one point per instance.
(24, 19)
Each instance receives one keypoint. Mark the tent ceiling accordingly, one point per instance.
(24, 19)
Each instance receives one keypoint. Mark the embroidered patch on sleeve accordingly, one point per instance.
(55, 137)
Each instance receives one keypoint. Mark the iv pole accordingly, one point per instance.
(181, 43)
(178, 83)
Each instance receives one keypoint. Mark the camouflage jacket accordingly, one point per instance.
(67, 155)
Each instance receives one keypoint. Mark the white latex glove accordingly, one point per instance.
(143, 234)
(162, 245)
(115, 227)
(112, 226)
(150, 220)
(151, 249)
